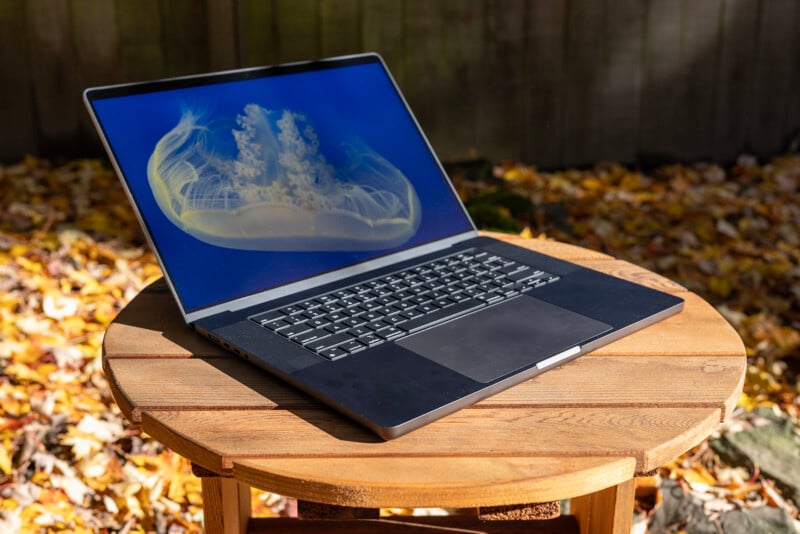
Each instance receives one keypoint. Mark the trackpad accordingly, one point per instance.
(496, 341)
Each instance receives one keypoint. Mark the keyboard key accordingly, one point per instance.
(294, 330)
(335, 328)
(319, 322)
(326, 299)
(313, 313)
(377, 325)
(349, 302)
(525, 275)
(352, 346)
(269, 316)
(427, 308)
(354, 321)
(440, 315)
(332, 353)
(395, 319)
(275, 324)
(412, 314)
(330, 307)
(390, 332)
(311, 336)
(291, 310)
(371, 339)
(330, 341)
(360, 331)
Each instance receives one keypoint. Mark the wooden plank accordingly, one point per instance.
(653, 436)
(621, 81)
(16, 85)
(223, 52)
(700, 42)
(679, 335)
(451, 524)
(734, 82)
(777, 59)
(258, 33)
(460, 75)
(593, 380)
(450, 482)
(55, 80)
(544, 100)
(153, 327)
(185, 46)
(340, 27)
(500, 128)
(94, 31)
(382, 32)
(606, 511)
(585, 57)
(140, 54)
(297, 30)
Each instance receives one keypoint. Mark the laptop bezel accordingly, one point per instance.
(281, 291)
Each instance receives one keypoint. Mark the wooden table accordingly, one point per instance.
(581, 431)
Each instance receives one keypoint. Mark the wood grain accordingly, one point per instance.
(626, 408)
(456, 482)
(653, 436)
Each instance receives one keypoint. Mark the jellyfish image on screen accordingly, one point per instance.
(264, 185)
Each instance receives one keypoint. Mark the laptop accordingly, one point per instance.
(304, 223)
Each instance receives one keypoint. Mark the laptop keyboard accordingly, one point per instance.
(388, 308)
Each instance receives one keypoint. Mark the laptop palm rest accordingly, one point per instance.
(494, 342)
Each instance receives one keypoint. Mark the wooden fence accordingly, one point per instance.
(549, 82)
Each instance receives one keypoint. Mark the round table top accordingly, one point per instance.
(624, 409)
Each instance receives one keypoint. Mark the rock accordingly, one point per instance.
(773, 446)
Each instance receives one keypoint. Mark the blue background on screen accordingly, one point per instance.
(357, 101)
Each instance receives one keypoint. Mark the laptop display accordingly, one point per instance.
(305, 225)
(257, 180)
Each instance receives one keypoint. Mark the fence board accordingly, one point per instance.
(140, 53)
(223, 53)
(16, 95)
(382, 32)
(734, 76)
(258, 33)
(700, 44)
(773, 91)
(544, 96)
(556, 83)
(422, 60)
(94, 31)
(500, 110)
(585, 56)
(52, 59)
(661, 96)
(460, 75)
(184, 37)
(297, 30)
(339, 27)
(621, 81)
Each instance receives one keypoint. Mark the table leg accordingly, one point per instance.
(605, 511)
(226, 505)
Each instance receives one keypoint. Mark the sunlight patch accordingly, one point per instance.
(277, 191)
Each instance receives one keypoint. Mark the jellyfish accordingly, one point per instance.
(276, 190)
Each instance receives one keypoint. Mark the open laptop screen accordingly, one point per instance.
(254, 179)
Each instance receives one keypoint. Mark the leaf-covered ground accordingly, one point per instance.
(71, 256)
